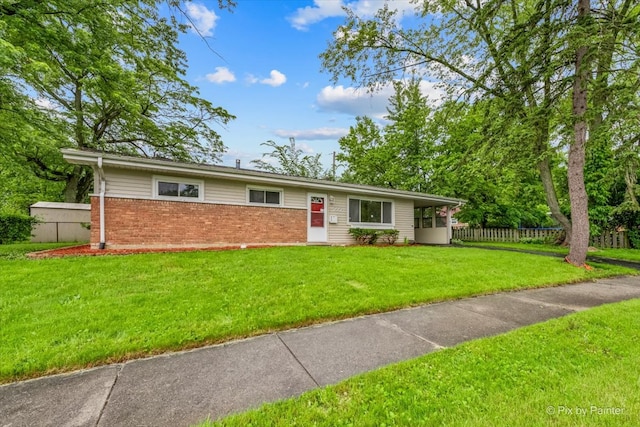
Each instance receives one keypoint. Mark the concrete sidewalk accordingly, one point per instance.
(185, 388)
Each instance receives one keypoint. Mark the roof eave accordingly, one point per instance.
(91, 158)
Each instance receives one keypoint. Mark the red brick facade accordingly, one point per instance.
(140, 223)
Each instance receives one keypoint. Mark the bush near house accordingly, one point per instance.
(369, 236)
(15, 227)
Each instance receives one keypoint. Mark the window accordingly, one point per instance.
(265, 196)
(178, 188)
(441, 218)
(427, 217)
(417, 214)
(370, 211)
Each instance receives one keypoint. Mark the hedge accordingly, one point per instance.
(15, 228)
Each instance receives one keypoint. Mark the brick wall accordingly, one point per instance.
(134, 222)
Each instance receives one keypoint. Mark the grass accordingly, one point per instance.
(19, 250)
(621, 254)
(585, 363)
(69, 313)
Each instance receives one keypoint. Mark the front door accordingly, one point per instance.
(317, 218)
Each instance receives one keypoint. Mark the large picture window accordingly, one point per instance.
(370, 211)
(178, 188)
(262, 196)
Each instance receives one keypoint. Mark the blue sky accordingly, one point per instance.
(268, 73)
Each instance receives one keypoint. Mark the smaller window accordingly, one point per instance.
(441, 218)
(177, 188)
(427, 214)
(264, 197)
(417, 214)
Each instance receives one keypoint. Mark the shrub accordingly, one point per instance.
(390, 236)
(15, 228)
(364, 235)
(369, 236)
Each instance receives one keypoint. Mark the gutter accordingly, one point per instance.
(164, 167)
(103, 185)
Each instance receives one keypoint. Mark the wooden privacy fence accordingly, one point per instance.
(612, 239)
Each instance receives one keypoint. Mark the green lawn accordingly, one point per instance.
(63, 314)
(622, 254)
(585, 363)
(19, 250)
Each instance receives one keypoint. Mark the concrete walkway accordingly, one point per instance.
(183, 388)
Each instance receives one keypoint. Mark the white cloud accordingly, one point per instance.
(352, 101)
(251, 79)
(46, 104)
(203, 19)
(222, 75)
(359, 102)
(323, 9)
(276, 79)
(323, 133)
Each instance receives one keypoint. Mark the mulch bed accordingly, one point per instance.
(85, 250)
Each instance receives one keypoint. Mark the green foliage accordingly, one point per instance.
(519, 60)
(15, 227)
(369, 236)
(20, 188)
(627, 216)
(73, 76)
(390, 236)
(291, 161)
(364, 236)
(16, 251)
(396, 156)
(535, 240)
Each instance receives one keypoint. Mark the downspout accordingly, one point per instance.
(103, 183)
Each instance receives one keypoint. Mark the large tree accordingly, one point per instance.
(521, 54)
(105, 75)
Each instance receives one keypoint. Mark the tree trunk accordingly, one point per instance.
(552, 198)
(78, 185)
(71, 188)
(577, 192)
(630, 180)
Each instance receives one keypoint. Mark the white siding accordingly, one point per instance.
(404, 219)
(128, 183)
(339, 233)
(295, 197)
(435, 236)
(225, 191)
(138, 184)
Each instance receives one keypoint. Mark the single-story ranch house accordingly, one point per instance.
(146, 202)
